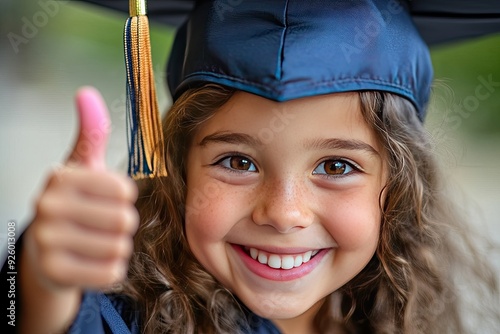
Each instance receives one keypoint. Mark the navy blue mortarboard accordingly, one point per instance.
(287, 49)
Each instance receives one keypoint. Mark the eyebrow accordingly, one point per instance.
(341, 144)
(318, 144)
(230, 138)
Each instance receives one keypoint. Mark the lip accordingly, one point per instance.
(264, 271)
(279, 250)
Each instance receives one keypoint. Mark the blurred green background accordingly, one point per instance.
(80, 44)
(459, 66)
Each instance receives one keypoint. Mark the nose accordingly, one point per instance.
(283, 204)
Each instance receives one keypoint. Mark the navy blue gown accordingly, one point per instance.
(102, 314)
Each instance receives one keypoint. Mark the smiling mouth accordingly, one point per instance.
(277, 261)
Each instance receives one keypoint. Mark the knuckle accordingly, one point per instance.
(132, 190)
(126, 188)
(128, 248)
(123, 249)
(42, 237)
(59, 175)
(43, 204)
(126, 219)
(50, 268)
(54, 179)
(51, 204)
(118, 184)
(120, 220)
(117, 272)
(133, 219)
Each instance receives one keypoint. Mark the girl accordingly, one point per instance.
(302, 195)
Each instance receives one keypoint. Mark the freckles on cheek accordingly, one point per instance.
(207, 222)
(354, 226)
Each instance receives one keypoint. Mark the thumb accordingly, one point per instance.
(90, 147)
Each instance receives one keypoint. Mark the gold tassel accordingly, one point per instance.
(146, 146)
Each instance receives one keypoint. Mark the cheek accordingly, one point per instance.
(201, 218)
(354, 224)
(210, 213)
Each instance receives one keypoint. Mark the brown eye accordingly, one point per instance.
(239, 163)
(333, 167)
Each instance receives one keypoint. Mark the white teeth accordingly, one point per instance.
(287, 262)
(274, 261)
(298, 261)
(262, 258)
(254, 253)
(307, 256)
(281, 261)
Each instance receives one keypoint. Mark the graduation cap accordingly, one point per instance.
(287, 49)
(438, 21)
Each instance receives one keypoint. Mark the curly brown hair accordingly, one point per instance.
(409, 286)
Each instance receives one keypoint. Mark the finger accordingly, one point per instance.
(90, 147)
(114, 219)
(64, 269)
(106, 216)
(85, 243)
(101, 184)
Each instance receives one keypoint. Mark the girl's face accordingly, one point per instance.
(283, 200)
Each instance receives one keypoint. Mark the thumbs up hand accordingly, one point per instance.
(81, 236)
(90, 147)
